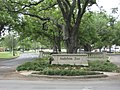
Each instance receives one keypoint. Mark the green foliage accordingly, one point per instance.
(94, 30)
(7, 19)
(67, 72)
(118, 70)
(117, 34)
(45, 68)
(42, 65)
(10, 42)
(27, 17)
(68, 66)
(102, 66)
(7, 55)
(37, 65)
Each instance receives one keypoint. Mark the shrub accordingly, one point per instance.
(118, 70)
(45, 68)
(37, 65)
(65, 66)
(102, 66)
(66, 72)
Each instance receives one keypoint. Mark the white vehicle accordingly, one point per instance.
(115, 48)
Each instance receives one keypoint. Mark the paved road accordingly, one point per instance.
(23, 58)
(10, 80)
(115, 58)
(8, 67)
(60, 85)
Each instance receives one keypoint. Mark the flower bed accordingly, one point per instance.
(44, 68)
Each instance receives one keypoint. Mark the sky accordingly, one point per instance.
(107, 5)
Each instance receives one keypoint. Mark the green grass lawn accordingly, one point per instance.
(6, 55)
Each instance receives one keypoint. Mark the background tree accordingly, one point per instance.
(10, 43)
(88, 33)
(101, 21)
(97, 31)
(7, 19)
(117, 34)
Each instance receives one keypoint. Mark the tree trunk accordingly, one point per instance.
(72, 46)
(55, 48)
(72, 12)
(55, 45)
(100, 50)
(59, 45)
(59, 41)
(71, 39)
(87, 47)
(1, 28)
(109, 48)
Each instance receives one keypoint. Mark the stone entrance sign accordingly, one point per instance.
(97, 56)
(72, 59)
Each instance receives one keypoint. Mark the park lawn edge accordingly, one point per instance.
(9, 56)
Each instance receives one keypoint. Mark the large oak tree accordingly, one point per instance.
(72, 13)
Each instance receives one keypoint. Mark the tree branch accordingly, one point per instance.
(50, 6)
(71, 10)
(68, 3)
(27, 5)
(81, 11)
(62, 9)
(32, 15)
(66, 6)
(84, 7)
(36, 16)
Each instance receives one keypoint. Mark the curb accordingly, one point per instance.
(104, 75)
(113, 54)
(3, 59)
(70, 77)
